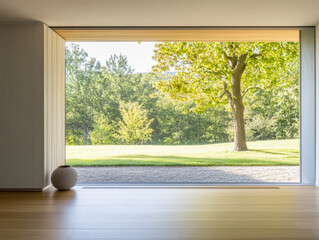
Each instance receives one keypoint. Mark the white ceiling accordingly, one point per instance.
(162, 12)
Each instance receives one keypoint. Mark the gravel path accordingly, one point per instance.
(188, 174)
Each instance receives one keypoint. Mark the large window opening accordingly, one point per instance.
(183, 112)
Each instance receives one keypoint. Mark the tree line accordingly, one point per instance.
(111, 104)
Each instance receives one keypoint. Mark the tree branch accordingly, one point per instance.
(255, 87)
(222, 95)
(226, 92)
(240, 66)
(255, 55)
(226, 56)
(215, 73)
(231, 60)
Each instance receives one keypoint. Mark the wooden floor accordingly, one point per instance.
(161, 213)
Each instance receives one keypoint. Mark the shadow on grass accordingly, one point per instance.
(149, 160)
(282, 152)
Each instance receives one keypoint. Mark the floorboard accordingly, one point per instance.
(287, 212)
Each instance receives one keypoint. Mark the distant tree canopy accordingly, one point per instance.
(102, 133)
(81, 75)
(103, 100)
(212, 74)
(135, 126)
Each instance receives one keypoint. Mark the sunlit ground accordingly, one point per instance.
(261, 153)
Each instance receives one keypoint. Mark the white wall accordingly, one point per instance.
(317, 105)
(54, 102)
(28, 152)
(307, 106)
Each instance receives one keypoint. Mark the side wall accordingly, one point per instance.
(21, 106)
(307, 106)
(54, 102)
(31, 105)
(317, 105)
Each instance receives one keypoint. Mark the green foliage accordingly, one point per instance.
(203, 69)
(213, 74)
(277, 109)
(73, 136)
(94, 93)
(102, 133)
(135, 126)
(175, 126)
(261, 128)
(81, 73)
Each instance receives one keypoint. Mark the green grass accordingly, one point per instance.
(261, 153)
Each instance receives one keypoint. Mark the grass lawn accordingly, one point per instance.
(261, 153)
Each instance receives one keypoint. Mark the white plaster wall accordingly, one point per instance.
(317, 105)
(31, 105)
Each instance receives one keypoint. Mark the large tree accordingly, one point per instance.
(81, 72)
(212, 74)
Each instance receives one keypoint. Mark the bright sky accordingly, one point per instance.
(139, 55)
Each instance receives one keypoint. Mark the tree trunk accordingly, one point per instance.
(236, 102)
(239, 129)
(85, 135)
